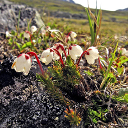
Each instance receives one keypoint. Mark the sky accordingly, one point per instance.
(110, 5)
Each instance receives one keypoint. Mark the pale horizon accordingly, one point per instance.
(110, 5)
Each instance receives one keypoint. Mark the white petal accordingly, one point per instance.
(33, 29)
(75, 51)
(123, 51)
(74, 57)
(89, 59)
(55, 57)
(93, 54)
(73, 35)
(21, 64)
(8, 34)
(27, 66)
(26, 35)
(46, 56)
(126, 53)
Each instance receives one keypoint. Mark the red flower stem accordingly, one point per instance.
(81, 57)
(99, 63)
(62, 47)
(68, 50)
(68, 36)
(69, 33)
(38, 61)
(57, 52)
(30, 37)
(65, 53)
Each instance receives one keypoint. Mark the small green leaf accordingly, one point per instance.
(28, 44)
(122, 60)
(39, 40)
(120, 70)
(13, 33)
(18, 45)
(21, 35)
(10, 41)
(68, 60)
(94, 121)
(126, 97)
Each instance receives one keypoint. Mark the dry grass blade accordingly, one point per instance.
(61, 40)
(93, 17)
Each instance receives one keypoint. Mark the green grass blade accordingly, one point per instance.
(91, 27)
(98, 17)
(102, 86)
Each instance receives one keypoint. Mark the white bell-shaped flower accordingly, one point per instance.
(126, 53)
(33, 29)
(91, 54)
(70, 37)
(123, 51)
(8, 34)
(73, 35)
(48, 28)
(75, 51)
(47, 56)
(60, 48)
(22, 63)
(26, 35)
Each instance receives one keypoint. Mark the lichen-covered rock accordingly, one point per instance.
(14, 15)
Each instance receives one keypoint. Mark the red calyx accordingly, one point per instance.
(87, 53)
(26, 56)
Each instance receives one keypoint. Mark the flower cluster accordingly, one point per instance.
(23, 62)
(74, 51)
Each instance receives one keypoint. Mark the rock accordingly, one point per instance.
(61, 14)
(79, 16)
(113, 19)
(11, 14)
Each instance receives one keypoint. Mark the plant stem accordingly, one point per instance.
(31, 41)
(38, 61)
(62, 48)
(81, 57)
(99, 63)
(61, 60)
(30, 37)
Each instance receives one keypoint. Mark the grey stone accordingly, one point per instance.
(11, 14)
